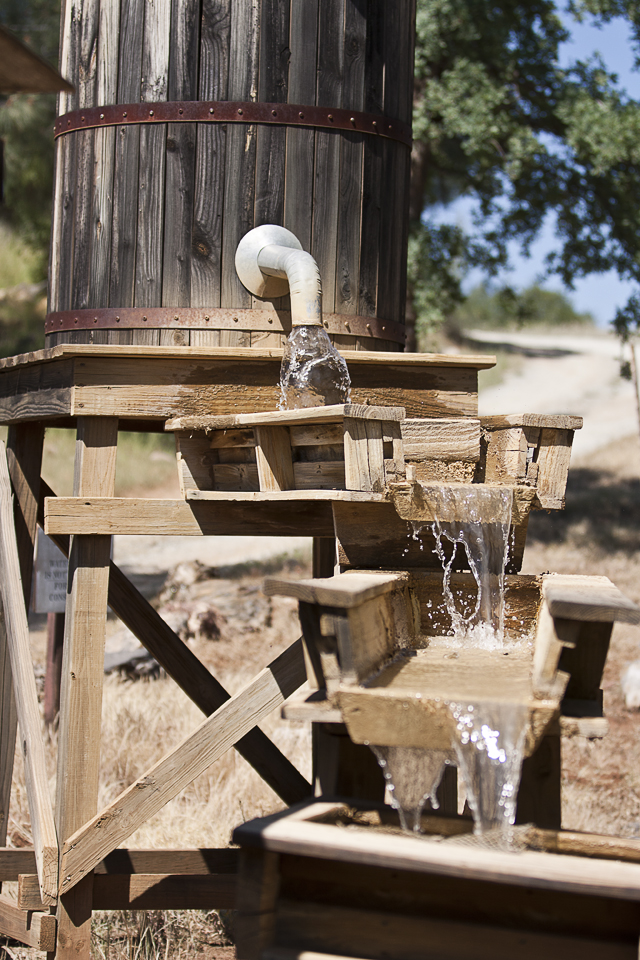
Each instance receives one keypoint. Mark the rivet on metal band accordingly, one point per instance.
(217, 318)
(226, 111)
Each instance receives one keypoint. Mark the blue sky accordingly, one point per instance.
(600, 294)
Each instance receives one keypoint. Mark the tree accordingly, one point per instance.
(496, 118)
(508, 309)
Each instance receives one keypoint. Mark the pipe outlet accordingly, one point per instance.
(270, 262)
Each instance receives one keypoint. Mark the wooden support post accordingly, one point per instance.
(82, 675)
(342, 768)
(258, 889)
(24, 457)
(53, 671)
(539, 797)
(32, 747)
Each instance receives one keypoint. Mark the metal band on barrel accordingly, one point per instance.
(216, 318)
(226, 111)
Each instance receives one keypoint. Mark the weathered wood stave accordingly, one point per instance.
(137, 218)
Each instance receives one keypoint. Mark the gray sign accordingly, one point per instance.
(50, 592)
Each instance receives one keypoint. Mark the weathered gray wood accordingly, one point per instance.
(327, 160)
(206, 259)
(37, 930)
(372, 199)
(17, 631)
(239, 184)
(351, 150)
(87, 90)
(125, 198)
(298, 205)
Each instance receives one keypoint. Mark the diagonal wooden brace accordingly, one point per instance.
(177, 769)
(192, 676)
(26, 697)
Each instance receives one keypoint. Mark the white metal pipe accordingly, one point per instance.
(303, 275)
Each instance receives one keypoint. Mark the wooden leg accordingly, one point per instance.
(324, 556)
(24, 458)
(539, 799)
(53, 672)
(258, 887)
(82, 676)
(342, 768)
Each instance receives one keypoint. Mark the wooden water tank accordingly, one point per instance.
(194, 121)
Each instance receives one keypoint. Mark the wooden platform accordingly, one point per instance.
(323, 880)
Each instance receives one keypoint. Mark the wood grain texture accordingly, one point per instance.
(309, 415)
(180, 766)
(344, 590)
(206, 261)
(324, 236)
(588, 598)
(26, 697)
(274, 458)
(82, 674)
(37, 930)
(239, 183)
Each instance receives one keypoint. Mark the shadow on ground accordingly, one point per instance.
(602, 512)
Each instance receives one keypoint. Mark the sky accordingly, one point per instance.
(599, 294)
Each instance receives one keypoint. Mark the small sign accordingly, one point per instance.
(50, 594)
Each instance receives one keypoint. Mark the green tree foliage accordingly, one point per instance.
(496, 118)
(26, 124)
(509, 309)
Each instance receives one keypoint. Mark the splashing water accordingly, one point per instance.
(478, 519)
(313, 373)
(489, 748)
(412, 775)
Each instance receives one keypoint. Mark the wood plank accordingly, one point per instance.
(239, 182)
(312, 435)
(553, 467)
(588, 598)
(274, 458)
(336, 930)
(180, 518)
(37, 930)
(15, 861)
(153, 891)
(300, 145)
(127, 159)
(26, 697)
(330, 75)
(349, 183)
(104, 149)
(345, 590)
(195, 463)
(273, 87)
(441, 439)
(319, 475)
(268, 690)
(555, 421)
(356, 456)
(207, 693)
(286, 834)
(378, 359)
(206, 260)
(258, 886)
(154, 88)
(375, 454)
(236, 477)
(82, 674)
(315, 415)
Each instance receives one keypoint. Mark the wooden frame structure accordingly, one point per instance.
(99, 390)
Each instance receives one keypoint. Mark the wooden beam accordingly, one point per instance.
(345, 590)
(66, 515)
(330, 414)
(194, 678)
(82, 674)
(88, 845)
(150, 891)
(594, 599)
(32, 746)
(36, 930)
(541, 420)
(441, 439)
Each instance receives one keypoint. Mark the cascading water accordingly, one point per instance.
(413, 776)
(489, 737)
(489, 749)
(313, 373)
(478, 519)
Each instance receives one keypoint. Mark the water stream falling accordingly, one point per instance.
(313, 373)
(412, 775)
(476, 519)
(489, 737)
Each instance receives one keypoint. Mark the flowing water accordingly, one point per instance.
(489, 737)
(412, 775)
(475, 519)
(489, 749)
(313, 373)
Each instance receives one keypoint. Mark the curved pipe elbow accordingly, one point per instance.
(305, 285)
